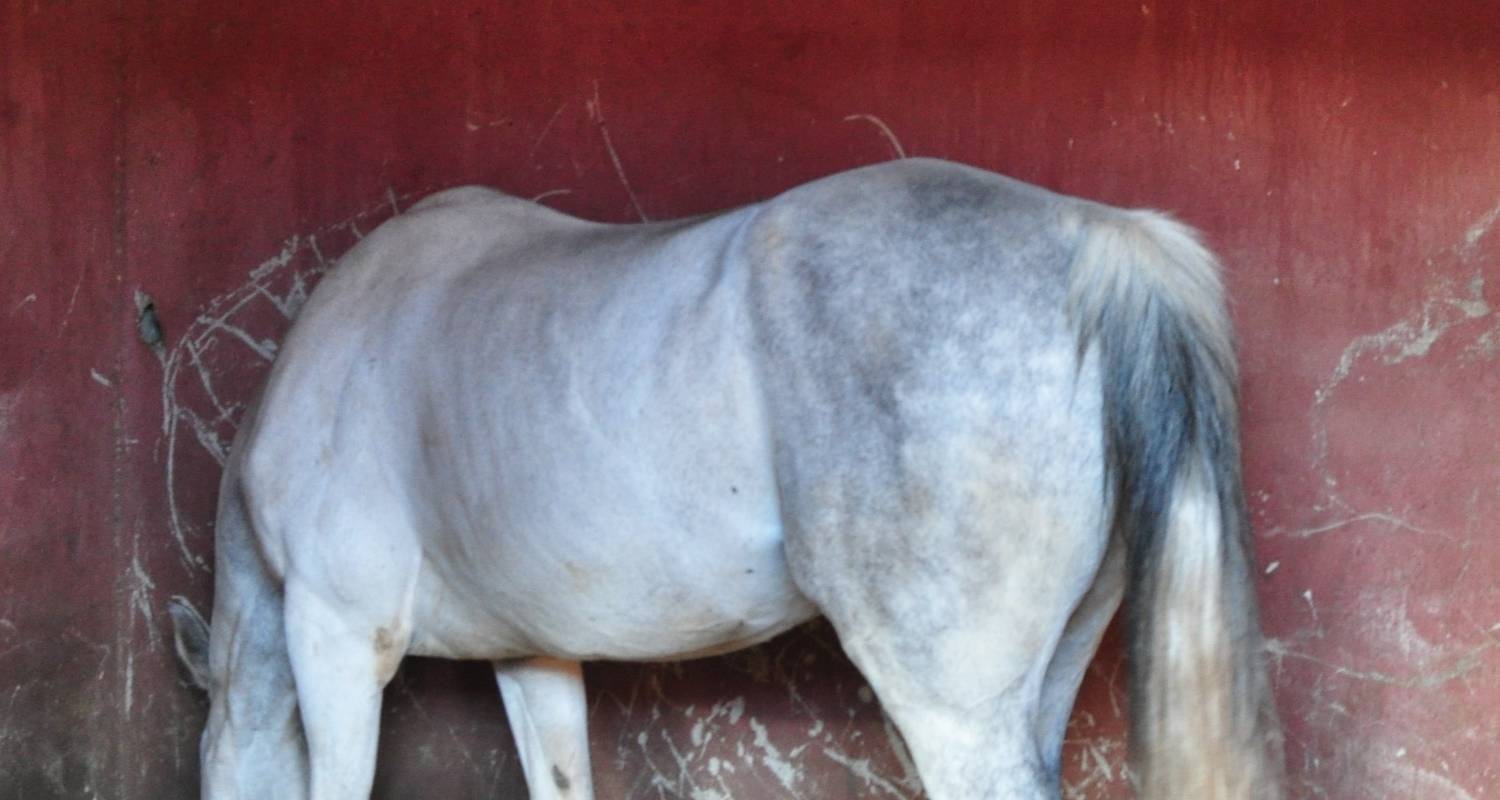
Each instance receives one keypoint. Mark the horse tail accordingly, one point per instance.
(1145, 294)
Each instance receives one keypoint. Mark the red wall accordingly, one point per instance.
(1343, 157)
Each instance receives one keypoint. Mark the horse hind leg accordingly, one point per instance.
(953, 615)
(548, 715)
(1075, 651)
(970, 734)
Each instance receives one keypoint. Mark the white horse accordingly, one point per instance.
(957, 415)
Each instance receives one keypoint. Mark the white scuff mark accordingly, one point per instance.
(129, 682)
(9, 714)
(460, 742)
(1477, 231)
(1097, 758)
(684, 761)
(1307, 597)
(73, 299)
(1446, 307)
(1486, 347)
(550, 193)
(1443, 309)
(206, 380)
(1410, 780)
(860, 768)
(545, 128)
(265, 348)
(701, 734)
(99, 378)
(786, 773)
(475, 127)
(8, 402)
(30, 298)
(289, 248)
(323, 265)
(1272, 567)
(1413, 336)
(1427, 679)
(1386, 624)
(1391, 521)
(141, 587)
(292, 302)
(390, 197)
(596, 113)
(885, 130)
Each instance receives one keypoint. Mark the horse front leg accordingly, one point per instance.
(548, 715)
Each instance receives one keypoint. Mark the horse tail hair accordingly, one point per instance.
(1146, 295)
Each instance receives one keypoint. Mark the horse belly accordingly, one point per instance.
(674, 597)
(656, 538)
(641, 588)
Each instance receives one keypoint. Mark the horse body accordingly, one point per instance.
(497, 432)
(549, 430)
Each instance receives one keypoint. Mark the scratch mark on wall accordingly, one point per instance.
(497, 763)
(1390, 520)
(536, 145)
(224, 322)
(73, 298)
(265, 348)
(141, 587)
(1101, 761)
(1477, 231)
(264, 269)
(550, 193)
(129, 681)
(1307, 597)
(474, 127)
(816, 747)
(1406, 779)
(1413, 336)
(7, 404)
(860, 768)
(1486, 347)
(596, 112)
(1446, 307)
(30, 298)
(1459, 667)
(885, 130)
(772, 758)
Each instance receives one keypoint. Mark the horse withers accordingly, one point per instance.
(957, 415)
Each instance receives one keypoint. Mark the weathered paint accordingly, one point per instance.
(1343, 157)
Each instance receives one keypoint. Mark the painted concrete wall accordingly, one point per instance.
(1343, 157)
